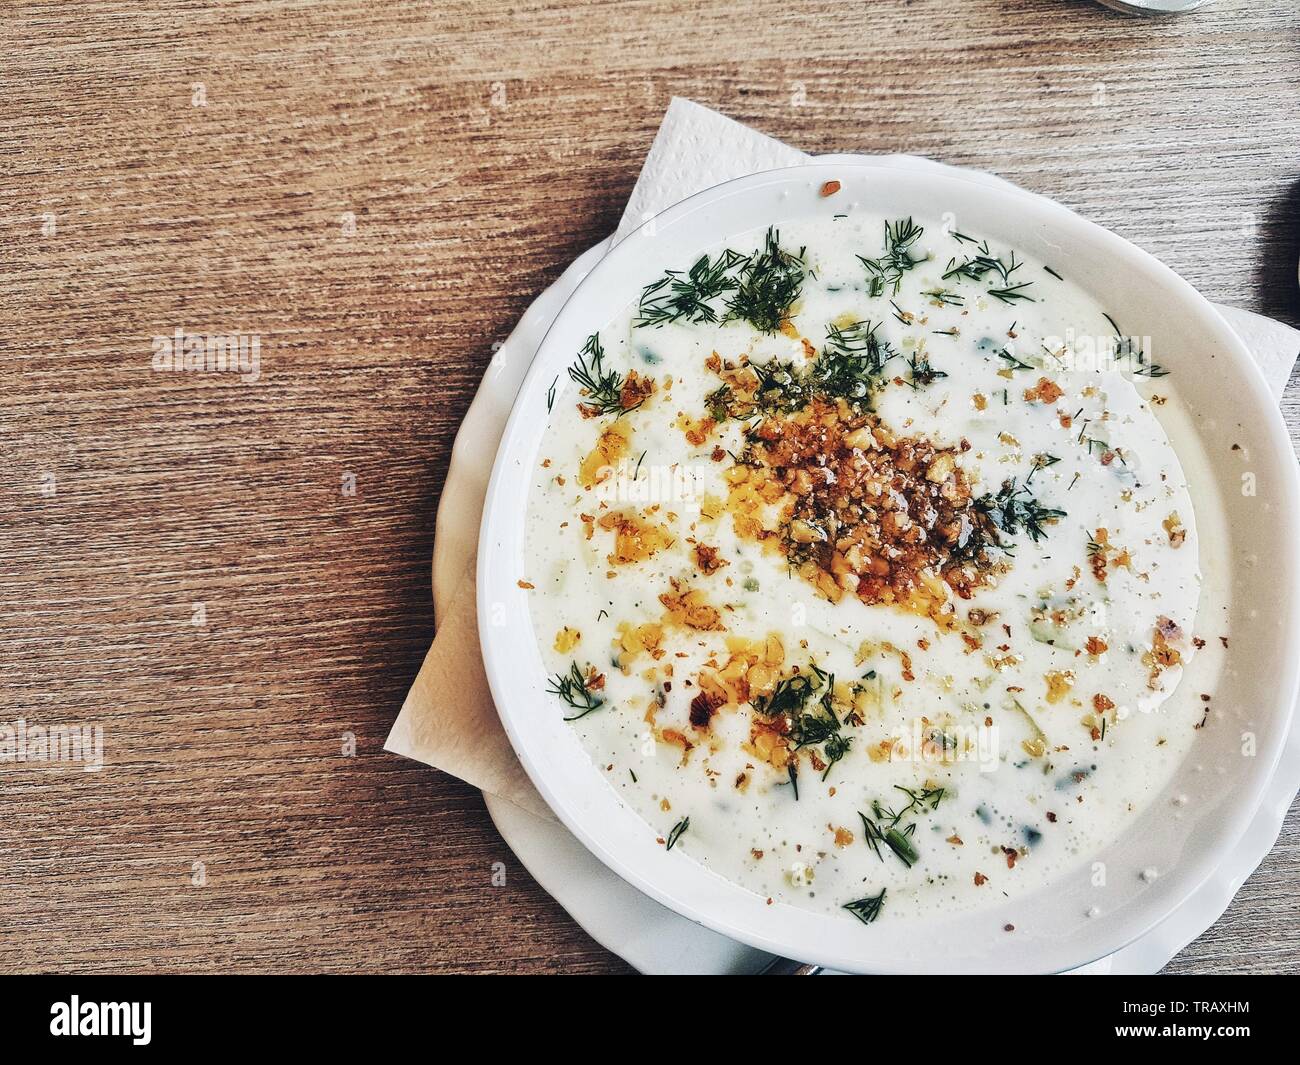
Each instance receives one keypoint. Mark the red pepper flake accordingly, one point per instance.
(981, 879)
(1046, 391)
(1012, 854)
(830, 188)
(1051, 817)
(525, 585)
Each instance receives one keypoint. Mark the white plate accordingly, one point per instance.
(1053, 931)
(654, 939)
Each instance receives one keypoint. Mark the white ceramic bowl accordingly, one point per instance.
(1220, 786)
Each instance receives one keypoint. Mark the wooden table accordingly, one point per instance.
(233, 578)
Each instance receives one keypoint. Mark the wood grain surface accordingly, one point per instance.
(377, 190)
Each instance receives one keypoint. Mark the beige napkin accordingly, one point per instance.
(448, 720)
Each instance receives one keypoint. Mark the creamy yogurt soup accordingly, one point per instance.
(865, 569)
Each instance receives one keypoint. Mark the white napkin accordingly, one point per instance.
(694, 149)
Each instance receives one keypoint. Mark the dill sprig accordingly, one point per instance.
(676, 832)
(781, 385)
(851, 362)
(788, 697)
(837, 747)
(573, 687)
(944, 297)
(768, 284)
(896, 260)
(809, 727)
(868, 909)
(1013, 510)
(718, 403)
(883, 826)
(759, 288)
(975, 267)
(1041, 462)
(677, 296)
(922, 372)
(984, 263)
(602, 389)
(850, 366)
(1012, 360)
(1128, 347)
(1011, 293)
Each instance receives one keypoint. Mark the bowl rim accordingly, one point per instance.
(497, 661)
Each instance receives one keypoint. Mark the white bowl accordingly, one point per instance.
(1219, 787)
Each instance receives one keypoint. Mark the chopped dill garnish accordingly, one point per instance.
(759, 288)
(1012, 360)
(788, 697)
(1151, 370)
(868, 909)
(677, 831)
(906, 317)
(943, 296)
(922, 372)
(550, 395)
(807, 727)
(768, 284)
(850, 366)
(882, 826)
(1053, 272)
(677, 296)
(896, 260)
(1130, 348)
(781, 385)
(946, 332)
(1041, 462)
(851, 362)
(717, 402)
(1012, 293)
(983, 263)
(573, 688)
(1014, 510)
(602, 389)
(836, 748)
(975, 267)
